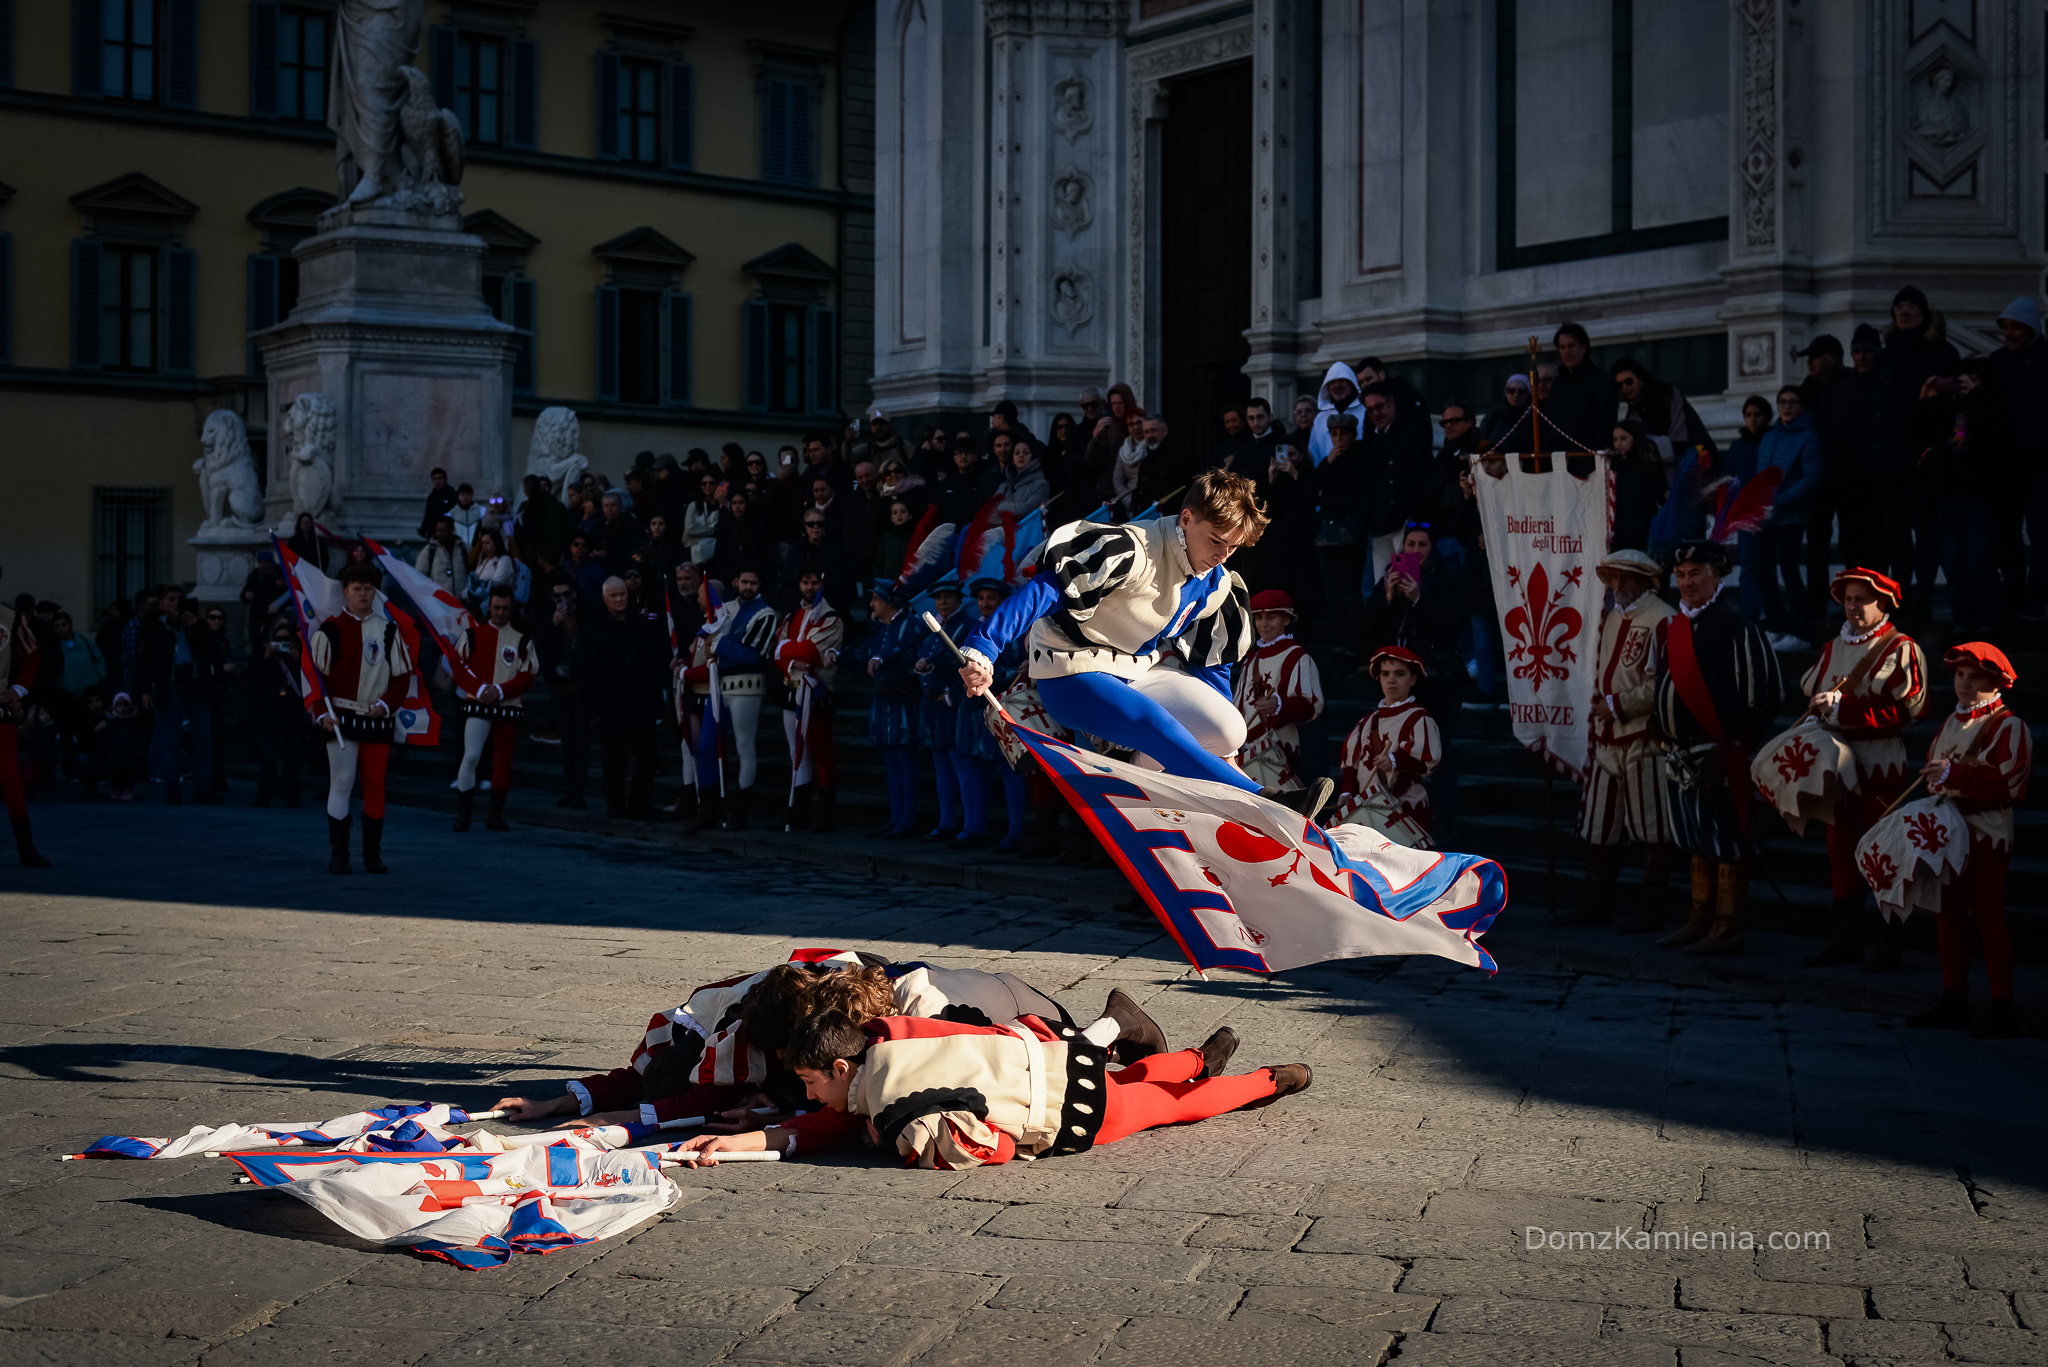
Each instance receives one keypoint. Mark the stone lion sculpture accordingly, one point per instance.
(228, 489)
(309, 427)
(554, 453)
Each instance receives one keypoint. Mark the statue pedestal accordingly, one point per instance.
(226, 554)
(391, 326)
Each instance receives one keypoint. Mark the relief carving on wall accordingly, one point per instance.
(1073, 106)
(1073, 298)
(1073, 201)
(1759, 167)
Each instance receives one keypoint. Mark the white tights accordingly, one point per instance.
(743, 719)
(476, 735)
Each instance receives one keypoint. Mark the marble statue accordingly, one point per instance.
(228, 489)
(309, 427)
(392, 146)
(1942, 117)
(554, 453)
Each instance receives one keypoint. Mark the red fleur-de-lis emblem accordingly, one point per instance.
(1543, 628)
(1795, 761)
(1925, 830)
(1879, 871)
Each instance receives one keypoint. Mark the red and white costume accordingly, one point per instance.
(812, 636)
(1280, 669)
(497, 667)
(1384, 761)
(1887, 675)
(1624, 793)
(947, 1095)
(363, 664)
(20, 663)
(1988, 755)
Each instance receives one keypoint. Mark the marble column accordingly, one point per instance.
(1275, 330)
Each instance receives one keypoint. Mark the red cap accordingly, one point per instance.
(1272, 600)
(1887, 589)
(1984, 656)
(1401, 653)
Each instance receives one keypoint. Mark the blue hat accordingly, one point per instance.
(890, 592)
(998, 585)
(2023, 311)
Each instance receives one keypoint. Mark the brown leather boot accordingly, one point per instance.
(1596, 904)
(1138, 1035)
(1288, 1078)
(1649, 913)
(1701, 918)
(1216, 1052)
(1731, 909)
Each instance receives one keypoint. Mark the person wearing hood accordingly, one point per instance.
(1916, 348)
(1024, 485)
(2018, 375)
(1792, 447)
(1339, 394)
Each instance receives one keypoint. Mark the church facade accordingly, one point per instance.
(1212, 199)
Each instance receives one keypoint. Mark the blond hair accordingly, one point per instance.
(862, 993)
(1230, 501)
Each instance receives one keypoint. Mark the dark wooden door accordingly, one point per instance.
(1205, 254)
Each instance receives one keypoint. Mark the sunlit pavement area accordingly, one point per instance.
(1505, 1170)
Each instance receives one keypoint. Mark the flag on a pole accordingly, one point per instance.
(931, 554)
(1546, 533)
(988, 547)
(434, 607)
(315, 598)
(1240, 882)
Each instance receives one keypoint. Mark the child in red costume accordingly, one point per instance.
(1980, 759)
(1390, 752)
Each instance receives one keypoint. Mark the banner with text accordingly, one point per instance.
(1545, 534)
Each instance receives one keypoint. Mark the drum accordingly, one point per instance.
(1912, 854)
(491, 711)
(1805, 773)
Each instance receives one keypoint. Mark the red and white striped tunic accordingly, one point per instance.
(1890, 697)
(362, 661)
(496, 655)
(1989, 784)
(1405, 734)
(1284, 671)
(813, 636)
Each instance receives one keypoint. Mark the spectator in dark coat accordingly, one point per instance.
(1583, 401)
(1916, 347)
(1395, 479)
(440, 498)
(177, 677)
(622, 667)
(277, 706)
(1969, 468)
(1509, 422)
(1852, 458)
(1792, 447)
(824, 554)
(2018, 375)
(1827, 377)
(1638, 485)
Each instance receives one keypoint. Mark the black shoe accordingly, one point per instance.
(1951, 1012)
(821, 811)
(373, 844)
(1288, 1078)
(337, 845)
(1137, 1035)
(1216, 1052)
(465, 808)
(209, 798)
(1845, 945)
(174, 795)
(1884, 953)
(261, 802)
(25, 847)
(736, 809)
(494, 812)
(2002, 1021)
(1309, 801)
(939, 835)
(979, 840)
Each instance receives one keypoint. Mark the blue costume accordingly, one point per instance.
(1128, 643)
(892, 715)
(938, 722)
(978, 750)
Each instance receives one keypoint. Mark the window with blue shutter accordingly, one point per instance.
(525, 95)
(757, 355)
(263, 303)
(675, 349)
(608, 106)
(608, 342)
(181, 310)
(85, 304)
(181, 53)
(787, 134)
(682, 113)
(824, 360)
(263, 59)
(288, 62)
(519, 301)
(88, 33)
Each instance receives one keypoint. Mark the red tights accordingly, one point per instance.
(10, 772)
(1160, 1091)
(1977, 894)
(1859, 812)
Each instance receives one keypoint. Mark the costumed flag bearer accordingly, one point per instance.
(960, 814)
(362, 664)
(1868, 685)
(978, 751)
(20, 662)
(1134, 630)
(742, 650)
(1389, 753)
(1277, 688)
(1624, 797)
(1718, 687)
(1981, 760)
(891, 654)
(807, 654)
(496, 666)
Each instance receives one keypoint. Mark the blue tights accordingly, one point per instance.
(900, 762)
(1016, 797)
(1104, 705)
(947, 770)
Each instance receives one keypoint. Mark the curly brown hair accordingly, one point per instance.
(861, 993)
(774, 1005)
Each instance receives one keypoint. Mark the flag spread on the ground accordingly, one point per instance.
(315, 598)
(1546, 533)
(1240, 882)
(434, 607)
(473, 1208)
(388, 1129)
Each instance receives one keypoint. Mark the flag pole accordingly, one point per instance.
(291, 584)
(1549, 766)
(988, 696)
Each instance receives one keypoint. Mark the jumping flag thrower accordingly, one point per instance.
(1241, 882)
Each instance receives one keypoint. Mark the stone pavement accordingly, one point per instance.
(193, 973)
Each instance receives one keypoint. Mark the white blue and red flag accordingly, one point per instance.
(388, 1129)
(1240, 882)
(315, 598)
